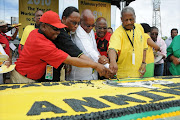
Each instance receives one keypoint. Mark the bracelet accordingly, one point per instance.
(143, 63)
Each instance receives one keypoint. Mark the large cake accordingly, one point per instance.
(123, 99)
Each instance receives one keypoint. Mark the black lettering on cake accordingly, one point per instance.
(37, 108)
(120, 99)
(13, 87)
(77, 105)
(172, 85)
(170, 91)
(49, 84)
(30, 85)
(152, 96)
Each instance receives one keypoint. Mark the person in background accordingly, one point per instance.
(159, 66)
(127, 47)
(174, 32)
(39, 51)
(173, 53)
(110, 30)
(149, 54)
(29, 28)
(84, 38)
(4, 39)
(102, 36)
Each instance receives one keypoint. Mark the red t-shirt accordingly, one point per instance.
(4, 39)
(38, 51)
(103, 43)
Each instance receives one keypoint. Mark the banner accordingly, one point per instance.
(27, 8)
(99, 9)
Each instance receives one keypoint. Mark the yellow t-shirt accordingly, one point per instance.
(26, 32)
(120, 42)
(149, 52)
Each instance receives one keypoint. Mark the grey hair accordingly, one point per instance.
(127, 9)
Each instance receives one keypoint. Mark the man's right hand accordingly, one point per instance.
(102, 70)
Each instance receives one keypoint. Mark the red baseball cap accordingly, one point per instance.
(52, 18)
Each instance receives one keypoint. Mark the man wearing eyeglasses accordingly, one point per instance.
(84, 38)
(102, 36)
(40, 51)
(159, 66)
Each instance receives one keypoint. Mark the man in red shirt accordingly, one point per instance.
(102, 36)
(4, 39)
(40, 51)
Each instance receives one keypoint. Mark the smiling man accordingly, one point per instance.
(127, 47)
(84, 38)
(102, 36)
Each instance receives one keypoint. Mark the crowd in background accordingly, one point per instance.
(79, 48)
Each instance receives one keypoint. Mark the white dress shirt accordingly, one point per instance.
(87, 43)
(168, 41)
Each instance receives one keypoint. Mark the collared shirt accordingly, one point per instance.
(103, 43)
(37, 53)
(87, 43)
(119, 41)
(4, 39)
(168, 41)
(160, 42)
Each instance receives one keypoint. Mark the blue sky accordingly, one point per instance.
(170, 16)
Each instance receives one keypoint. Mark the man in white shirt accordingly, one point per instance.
(174, 32)
(84, 38)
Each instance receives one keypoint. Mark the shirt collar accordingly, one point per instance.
(41, 32)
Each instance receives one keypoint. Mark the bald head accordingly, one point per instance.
(87, 20)
(101, 27)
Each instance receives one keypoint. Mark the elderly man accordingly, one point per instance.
(40, 51)
(84, 38)
(102, 36)
(127, 47)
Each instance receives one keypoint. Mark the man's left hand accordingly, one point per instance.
(103, 60)
(142, 69)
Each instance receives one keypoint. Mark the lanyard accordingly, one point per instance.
(130, 39)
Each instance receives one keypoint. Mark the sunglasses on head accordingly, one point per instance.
(54, 28)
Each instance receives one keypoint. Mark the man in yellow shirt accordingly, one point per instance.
(29, 28)
(127, 47)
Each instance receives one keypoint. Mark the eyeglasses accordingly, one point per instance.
(154, 33)
(75, 23)
(90, 26)
(54, 28)
(100, 28)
